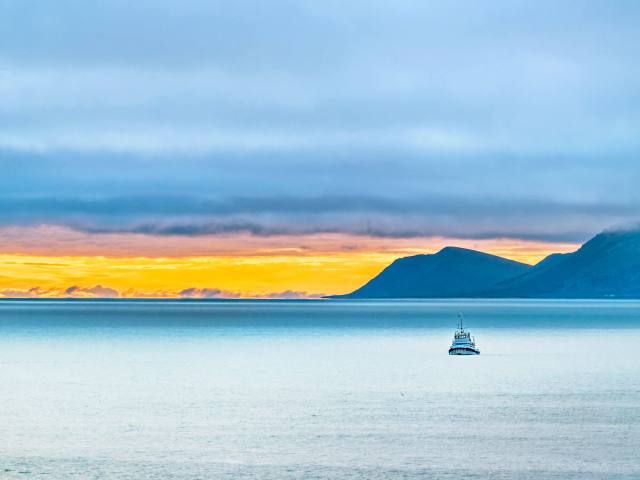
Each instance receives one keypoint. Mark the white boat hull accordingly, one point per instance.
(464, 351)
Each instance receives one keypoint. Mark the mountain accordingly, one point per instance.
(452, 272)
(608, 265)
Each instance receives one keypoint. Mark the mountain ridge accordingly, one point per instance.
(453, 271)
(606, 266)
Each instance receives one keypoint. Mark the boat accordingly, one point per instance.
(463, 343)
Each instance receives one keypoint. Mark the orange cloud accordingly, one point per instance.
(55, 241)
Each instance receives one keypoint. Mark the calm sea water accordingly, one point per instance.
(319, 389)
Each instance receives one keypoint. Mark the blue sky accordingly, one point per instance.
(392, 119)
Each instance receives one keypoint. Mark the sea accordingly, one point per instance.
(319, 389)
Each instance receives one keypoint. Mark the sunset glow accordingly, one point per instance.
(317, 265)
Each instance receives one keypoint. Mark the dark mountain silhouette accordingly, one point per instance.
(452, 272)
(608, 265)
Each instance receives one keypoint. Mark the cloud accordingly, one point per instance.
(74, 291)
(194, 292)
(361, 215)
(408, 119)
(293, 294)
(218, 293)
(151, 79)
(32, 292)
(98, 292)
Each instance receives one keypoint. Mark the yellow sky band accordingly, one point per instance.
(246, 274)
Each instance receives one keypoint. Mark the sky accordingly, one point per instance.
(294, 148)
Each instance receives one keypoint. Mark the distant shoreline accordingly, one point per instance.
(304, 300)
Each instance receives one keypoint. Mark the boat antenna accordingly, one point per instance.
(460, 318)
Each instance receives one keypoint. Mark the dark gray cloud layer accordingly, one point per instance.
(351, 214)
(400, 118)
